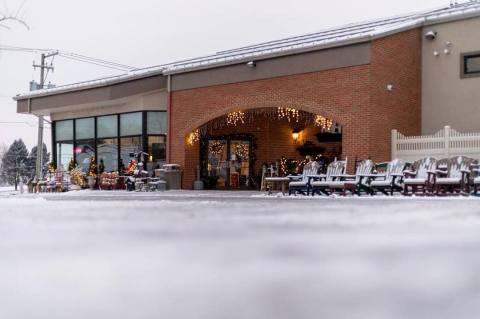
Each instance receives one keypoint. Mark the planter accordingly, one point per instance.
(92, 181)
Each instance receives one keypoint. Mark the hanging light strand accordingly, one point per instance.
(323, 122)
(193, 137)
(291, 114)
(235, 118)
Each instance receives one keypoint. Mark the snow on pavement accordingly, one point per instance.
(238, 257)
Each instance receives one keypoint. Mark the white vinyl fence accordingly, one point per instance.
(445, 143)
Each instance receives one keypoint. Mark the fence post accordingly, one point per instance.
(394, 144)
(447, 141)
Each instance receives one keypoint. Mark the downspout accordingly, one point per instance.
(169, 121)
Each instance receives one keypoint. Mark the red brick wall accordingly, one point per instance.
(396, 60)
(355, 97)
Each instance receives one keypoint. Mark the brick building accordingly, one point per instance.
(338, 93)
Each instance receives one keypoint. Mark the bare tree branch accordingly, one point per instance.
(6, 17)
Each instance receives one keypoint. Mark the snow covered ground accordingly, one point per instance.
(237, 255)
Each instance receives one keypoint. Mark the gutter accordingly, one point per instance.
(169, 119)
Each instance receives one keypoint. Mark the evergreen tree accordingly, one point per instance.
(32, 160)
(15, 163)
(3, 150)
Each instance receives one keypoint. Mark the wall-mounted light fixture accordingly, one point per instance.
(296, 135)
(390, 87)
(431, 35)
(252, 64)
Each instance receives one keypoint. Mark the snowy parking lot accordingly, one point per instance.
(237, 255)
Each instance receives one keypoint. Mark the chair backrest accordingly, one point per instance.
(393, 168)
(458, 164)
(59, 176)
(365, 167)
(423, 166)
(335, 168)
(311, 168)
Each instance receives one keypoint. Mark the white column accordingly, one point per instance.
(447, 141)
(394, 144)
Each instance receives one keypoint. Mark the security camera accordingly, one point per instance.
(251, 64)
(431, 35)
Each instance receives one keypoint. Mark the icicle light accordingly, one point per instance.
(323, 122)
(193, 137)
(234, 118)
(288, 113)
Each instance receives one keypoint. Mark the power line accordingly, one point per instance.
(72, 56)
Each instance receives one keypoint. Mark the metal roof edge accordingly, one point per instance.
(452, 18)
(336, 44)
(80, 86)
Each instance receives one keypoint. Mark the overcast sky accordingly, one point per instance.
(150, 32)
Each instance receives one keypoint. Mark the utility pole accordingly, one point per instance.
(43, 66)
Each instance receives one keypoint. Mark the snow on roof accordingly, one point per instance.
(347, 34)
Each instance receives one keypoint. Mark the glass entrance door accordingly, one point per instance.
(239, 164)
(228, 163)
(217, 165)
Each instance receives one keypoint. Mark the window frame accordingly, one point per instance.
(464, 74)
(144, 134)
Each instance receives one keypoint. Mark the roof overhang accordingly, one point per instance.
(408, 22)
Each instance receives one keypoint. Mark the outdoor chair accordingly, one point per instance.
(301, 183)
(420, 177)
(476, 179)
(453, 175)
(50, 184)
(321, 183)
(357, 183)
(58, 179)
(390, 181)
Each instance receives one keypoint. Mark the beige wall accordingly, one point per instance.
(448, 99)
(329, 59)
(150, 101)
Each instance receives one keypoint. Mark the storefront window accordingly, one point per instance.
(131, 124)
(64, 154)
(156, 123)
(64, 130)
(129, 145)
(107, 126)
(107, 153)
(157, 149)
(85, 128)
(84, 152)
(111, 139)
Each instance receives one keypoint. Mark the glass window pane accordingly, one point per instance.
(107, 126)
(64, 155)
(131, 124)
(157, 149)
(64, 130)
(129, 145)
(84, 152)
(84, 128)
(157, 122)
(107, 152)
(473, 64)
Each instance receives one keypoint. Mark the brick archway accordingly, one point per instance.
(342, 95)
(210, 116)
(270, 137)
